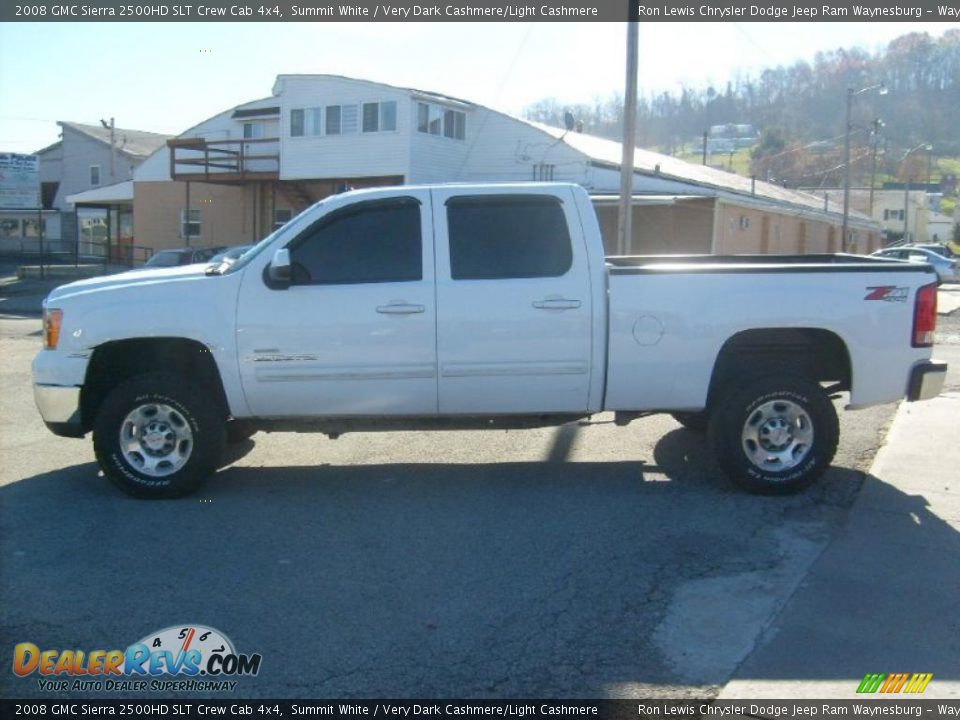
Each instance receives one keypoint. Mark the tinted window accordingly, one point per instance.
(369, 242)
(507, 237)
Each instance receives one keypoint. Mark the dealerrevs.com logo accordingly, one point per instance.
(181, 657)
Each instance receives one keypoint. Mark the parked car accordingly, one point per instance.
(948, 269)
(231, 253)
(478, 307)
(182, 256)
(937, 248)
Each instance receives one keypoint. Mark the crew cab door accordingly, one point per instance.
(354, 334)
(514, 302)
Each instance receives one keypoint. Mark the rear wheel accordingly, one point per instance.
(775, 434)
(158, 436)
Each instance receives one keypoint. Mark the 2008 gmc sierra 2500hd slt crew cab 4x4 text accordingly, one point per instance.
(477, 306)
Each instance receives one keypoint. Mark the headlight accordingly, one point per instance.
(51, 328)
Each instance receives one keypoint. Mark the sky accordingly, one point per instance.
(166, 77)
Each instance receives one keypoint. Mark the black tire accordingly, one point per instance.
(775, 435)
(240, 430)
(694, 421)
(166, 410)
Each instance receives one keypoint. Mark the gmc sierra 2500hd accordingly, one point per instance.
(477, 306)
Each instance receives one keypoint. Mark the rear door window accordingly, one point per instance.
(504, 237)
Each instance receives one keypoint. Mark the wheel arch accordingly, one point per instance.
(115, 361)
(815, 353)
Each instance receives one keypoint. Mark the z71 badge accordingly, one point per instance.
(888, 293)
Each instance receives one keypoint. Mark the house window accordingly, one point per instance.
(341, 119)
(436, 120)
(423, 117)
(9, 227)
(338, 120)
(371, 117)
(191, 228)
(379, 116)
(893, 214)
(306, 121)
(388, 116)
(543, 172)
(296, 122)
(281, 216)
(94, 174)
(32, 228)
(333, 120)
(252, 130)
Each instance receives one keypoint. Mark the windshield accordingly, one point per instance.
(166, 258)
(941, 250)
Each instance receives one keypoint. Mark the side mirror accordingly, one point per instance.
(279, 270)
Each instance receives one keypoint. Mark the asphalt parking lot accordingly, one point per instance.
(575, 562)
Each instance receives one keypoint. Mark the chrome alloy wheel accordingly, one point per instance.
(777, 436)
(156, 440)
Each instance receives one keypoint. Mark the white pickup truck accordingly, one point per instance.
(477, 306)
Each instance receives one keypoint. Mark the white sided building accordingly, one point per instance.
(233, 178)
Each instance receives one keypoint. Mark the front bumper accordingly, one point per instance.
(59, 407)
(926, 380)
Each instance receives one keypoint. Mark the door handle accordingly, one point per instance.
(400, 309)
(556, 304)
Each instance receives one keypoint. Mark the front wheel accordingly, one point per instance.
(158, 436)
(775, 435)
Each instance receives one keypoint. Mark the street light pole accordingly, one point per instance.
(906, 192)
(851, 93)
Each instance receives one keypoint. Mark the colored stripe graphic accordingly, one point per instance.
(918, 683)
(871, 682)
(892, 683)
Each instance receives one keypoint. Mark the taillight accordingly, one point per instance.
(51, 328)
(925, 316)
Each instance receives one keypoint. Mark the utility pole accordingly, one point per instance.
(113, 149)
(844, 230)
(625, 224)
(906, 210)
(877, 126)
(113, 142)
